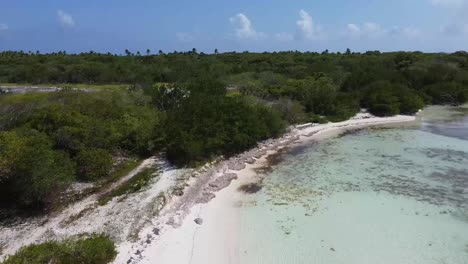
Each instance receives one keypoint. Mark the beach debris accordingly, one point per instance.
(218, 184)
(237, 165)
(222, 182)
(250, 188)
(198, 221)
(171, 221)
(250, 160)
(205, 197)
(332, 249)
(156, 231)
(178, 191)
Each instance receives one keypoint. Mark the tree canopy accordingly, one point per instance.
(192, 106)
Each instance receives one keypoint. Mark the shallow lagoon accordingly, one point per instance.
(372, 196)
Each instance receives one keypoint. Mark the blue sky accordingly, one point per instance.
(313, 25)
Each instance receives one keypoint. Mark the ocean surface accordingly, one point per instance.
(380, 196)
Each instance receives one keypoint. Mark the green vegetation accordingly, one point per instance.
(49, 140)
(208, 123)
(65, 85)
(95, 249)
(178, 104)
(325, 84)
(135, 184)
(123, 169)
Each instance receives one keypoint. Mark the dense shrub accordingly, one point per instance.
(31, 172)
(447, 93)
(93, 164)
(410, 103)
(49, 140)
(208, 123)
(385, 109)
(95, 249)
(291, 111)
(385, 99)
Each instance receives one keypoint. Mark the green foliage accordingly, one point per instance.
(317, 119)
(381, 99)
(95, 249)
(166, 97)
(410, 103)
(208, 123)
(93, 164)
(31, 171)
(386, 99)
(447, 93)
(109, 120)
(124, 168)
(68, 86)
(178, 103)
(291, 111)
(50, 140)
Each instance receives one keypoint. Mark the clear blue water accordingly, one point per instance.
(374, 196)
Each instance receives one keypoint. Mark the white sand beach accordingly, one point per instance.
(181, 240)
(146, 233)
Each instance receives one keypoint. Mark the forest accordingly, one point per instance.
(191, 106)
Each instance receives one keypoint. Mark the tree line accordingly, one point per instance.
(178, 104)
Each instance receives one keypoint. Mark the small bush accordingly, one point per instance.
(317, 119)
(31, 172)
(385, 109)
(410, 104)
(95, 249)
(135, 184)
(291, 111)
(93, 164)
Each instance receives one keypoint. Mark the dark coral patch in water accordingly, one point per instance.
(447, 154)
(250, 188)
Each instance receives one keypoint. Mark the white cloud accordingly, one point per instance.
(458, 22)
(3, 27)
(307, 27)
(454, 29)
(407, 32)
(65, 20)
(411, 32)
(243, 27)
(184, 37)
(284, 37)
(366, 30)
(372, 28)
(353, 29)
(449, 3)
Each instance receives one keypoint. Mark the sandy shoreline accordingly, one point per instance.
(213, 198)
(157, 224)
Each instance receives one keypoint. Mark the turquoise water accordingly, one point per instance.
(373, 196)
